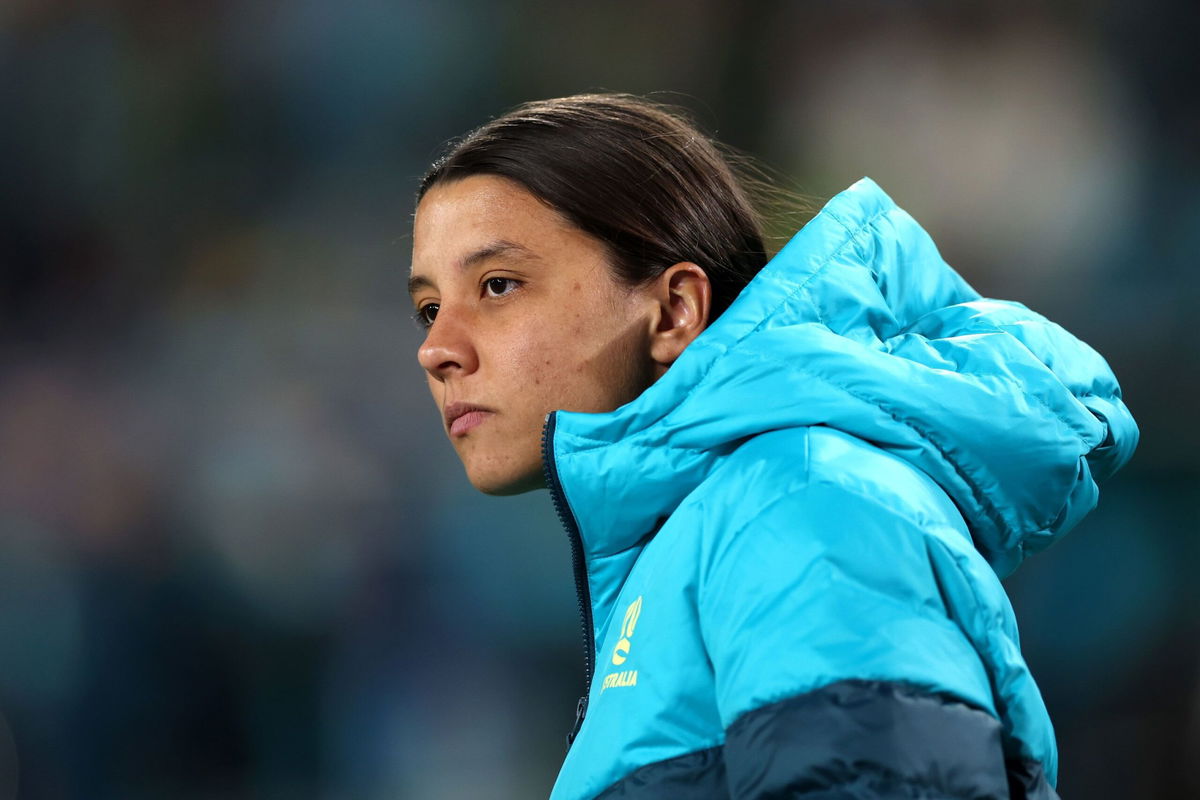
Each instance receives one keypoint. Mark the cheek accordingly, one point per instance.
(521, 364)
(592, 369)
(546, 363)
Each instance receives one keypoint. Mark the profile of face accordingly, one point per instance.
(524, 316)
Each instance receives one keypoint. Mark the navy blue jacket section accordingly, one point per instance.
(866, 740)
(694, 776)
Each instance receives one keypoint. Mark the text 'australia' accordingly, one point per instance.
(614, 679)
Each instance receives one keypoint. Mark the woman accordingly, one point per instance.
(790, 487)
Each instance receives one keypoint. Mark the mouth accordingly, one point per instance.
(461, 418)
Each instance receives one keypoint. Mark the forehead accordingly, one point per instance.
(457, 219)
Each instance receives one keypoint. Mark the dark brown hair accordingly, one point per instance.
(637, 176)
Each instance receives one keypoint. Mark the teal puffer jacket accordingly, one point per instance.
(789, 548)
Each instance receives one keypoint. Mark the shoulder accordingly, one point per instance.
(799, 513)
(826, 563)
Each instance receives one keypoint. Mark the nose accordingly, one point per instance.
(448, 348)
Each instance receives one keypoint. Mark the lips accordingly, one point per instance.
(462, 418)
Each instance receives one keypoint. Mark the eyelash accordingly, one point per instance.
(424, 321)
(421, 320)
(512, 281)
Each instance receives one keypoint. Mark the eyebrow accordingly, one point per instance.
(501, 248)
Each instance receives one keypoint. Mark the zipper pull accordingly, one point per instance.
(580, 712)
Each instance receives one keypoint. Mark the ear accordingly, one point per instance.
(683, 297)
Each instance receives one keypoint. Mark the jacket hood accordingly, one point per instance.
(858, 324)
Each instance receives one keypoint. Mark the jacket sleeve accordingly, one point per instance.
(854, 658)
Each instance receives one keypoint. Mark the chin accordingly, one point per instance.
(506, 484)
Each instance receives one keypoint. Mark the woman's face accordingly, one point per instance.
(524, 317)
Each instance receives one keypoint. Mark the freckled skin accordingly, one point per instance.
(565, 333)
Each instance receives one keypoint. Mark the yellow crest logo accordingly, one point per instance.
(621, 651)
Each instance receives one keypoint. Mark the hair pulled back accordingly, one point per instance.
(638, 177)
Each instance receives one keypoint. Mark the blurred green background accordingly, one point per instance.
(238, 558)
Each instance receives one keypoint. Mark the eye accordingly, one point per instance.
(426, 314)
(495, 287)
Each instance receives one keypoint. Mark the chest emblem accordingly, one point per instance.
(620, 653)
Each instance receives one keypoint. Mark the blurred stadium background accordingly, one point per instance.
(237, 557)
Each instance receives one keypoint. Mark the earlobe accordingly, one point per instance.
(684, 296)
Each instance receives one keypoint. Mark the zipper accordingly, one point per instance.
(581, 579)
